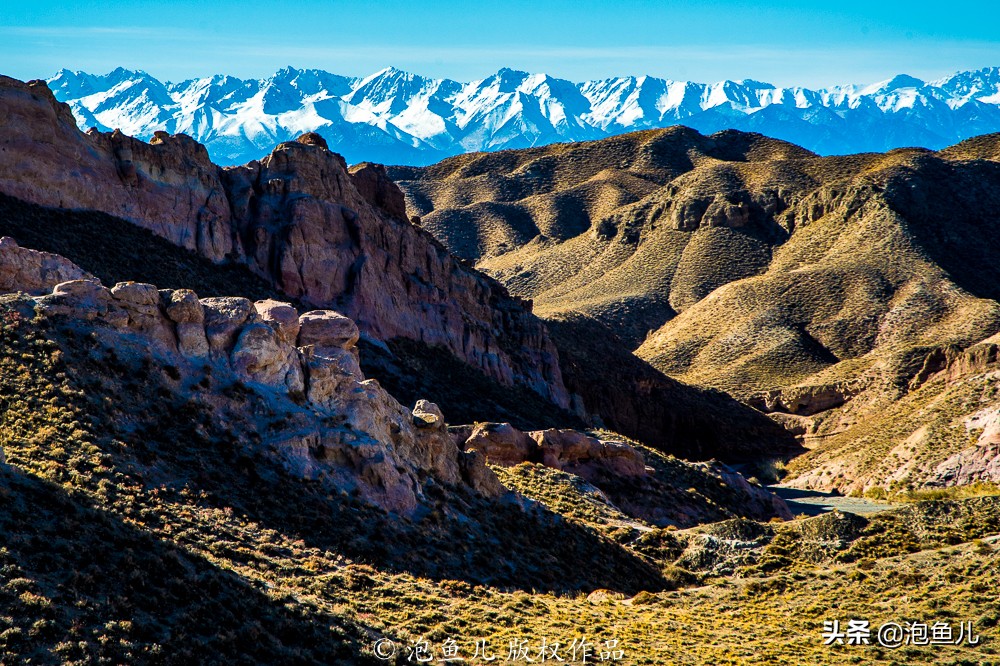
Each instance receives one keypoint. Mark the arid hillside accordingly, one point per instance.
(203, 461)
(825, 291)
(301, 225)
(174, 491)
(182, 475)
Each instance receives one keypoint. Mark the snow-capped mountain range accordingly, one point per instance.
(396, 117)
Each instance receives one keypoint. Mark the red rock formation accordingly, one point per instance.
(326, 237)
(376, 187)
(168, 186)
(620, 470)
(588, 457)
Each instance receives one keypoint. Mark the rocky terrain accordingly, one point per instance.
(852, 298)
(161, 444)
(326, 236)
(298, 218)
(260, 414)
(335, 425)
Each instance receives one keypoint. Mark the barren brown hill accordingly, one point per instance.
(832, 292)
(300, 224)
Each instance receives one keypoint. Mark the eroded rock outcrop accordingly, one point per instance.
(325, 236)
(337, 239)
(342, 428)
(566, 450)
(168, 185)
(977, 463)
(659, 490)
(32, 271)
(806, 400)
(374, 184)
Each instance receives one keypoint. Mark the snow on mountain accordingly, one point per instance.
(398, 117)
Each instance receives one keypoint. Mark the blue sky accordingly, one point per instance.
(782, 42)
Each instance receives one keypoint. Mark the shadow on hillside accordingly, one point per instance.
(106, 246)
(414, 370)
(459, 536)
(81, 585)
(649, 406)
(950, 209)
(115, 250)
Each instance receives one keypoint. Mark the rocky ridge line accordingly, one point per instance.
(324, 236)
(343, 429)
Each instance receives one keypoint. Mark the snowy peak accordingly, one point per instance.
(395, 116)
(389, 90)
(896, 83)
(982, 85)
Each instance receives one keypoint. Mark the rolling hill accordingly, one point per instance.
(830, 292)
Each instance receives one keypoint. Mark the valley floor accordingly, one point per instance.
(816, 502)
(119, 545)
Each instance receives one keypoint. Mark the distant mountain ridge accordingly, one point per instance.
(396, 117)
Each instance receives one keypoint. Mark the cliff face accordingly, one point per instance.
(302, 221)
(323, 236)
(293, 380)
(168, 185)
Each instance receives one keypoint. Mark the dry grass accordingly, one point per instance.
(136, 530)
(761, 270)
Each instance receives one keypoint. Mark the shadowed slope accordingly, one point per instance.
(105, 246)
(798, 284)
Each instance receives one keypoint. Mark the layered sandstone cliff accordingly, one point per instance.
(323, 235)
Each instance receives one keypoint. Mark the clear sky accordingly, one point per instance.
(779, 41)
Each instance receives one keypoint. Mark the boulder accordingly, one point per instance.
(327, 329)
(427, 415)
(142, 303)
(586, 456)
(282, 317)
(184, 309)
(224, 317)
(351, 462)
(502, 444)
(757, 500)
(84, 299)
(260, 355)
(567, 450)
